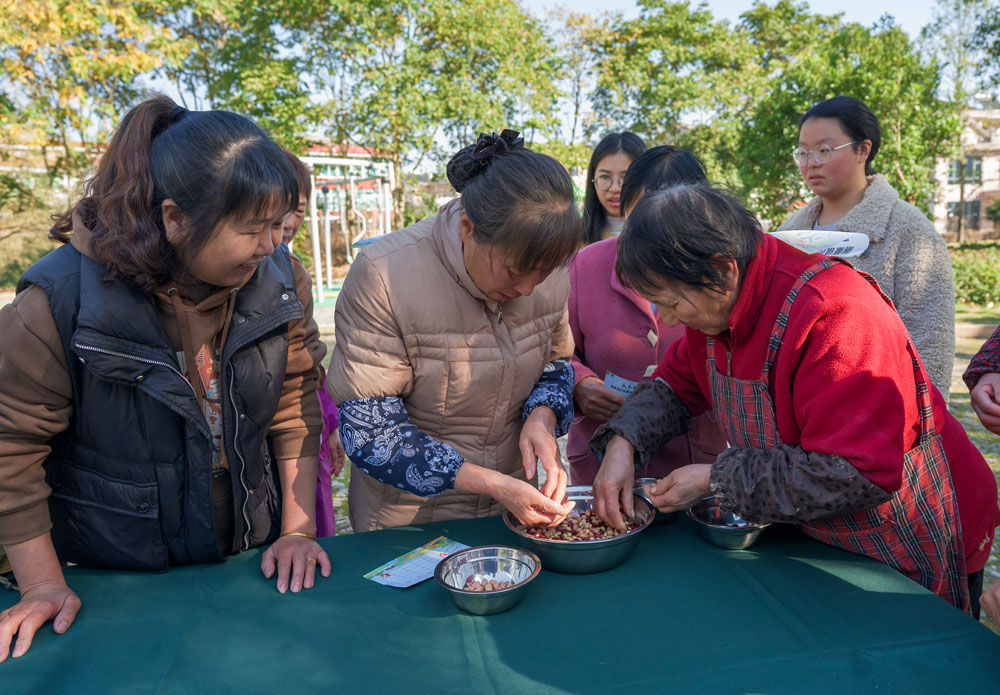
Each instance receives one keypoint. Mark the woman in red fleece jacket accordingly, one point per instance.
(814, 382)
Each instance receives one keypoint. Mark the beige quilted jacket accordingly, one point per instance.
(410, 322)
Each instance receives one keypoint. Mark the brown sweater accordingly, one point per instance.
(36, 395)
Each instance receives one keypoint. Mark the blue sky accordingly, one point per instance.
(911, 16)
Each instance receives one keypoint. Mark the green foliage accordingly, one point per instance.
(665, 66)
(951, 36)
(882, 68)
(69, 69)
(397, 74)
(413, 80)
(15, 195)
(235, 55)
(733, 95)
(977, 273)
(987, 40)
(993, 212)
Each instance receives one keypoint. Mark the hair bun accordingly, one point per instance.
(471, 160)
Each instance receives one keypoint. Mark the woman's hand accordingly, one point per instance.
(990, 602)
(985, 398)
(522, 499)
(296, 553)
(538, 443)
(44, 595)
(337, 454)
(530, 506)
(595, 400)
(614, 481)
(682, 489)
(41, 603)
(295, 558)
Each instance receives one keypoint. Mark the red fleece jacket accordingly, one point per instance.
(842, 382)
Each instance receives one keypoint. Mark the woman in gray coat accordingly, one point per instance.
(838, 139)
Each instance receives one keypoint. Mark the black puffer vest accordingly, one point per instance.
(131, 476)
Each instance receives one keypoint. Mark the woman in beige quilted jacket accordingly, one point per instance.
(451, 366)
(838, 139)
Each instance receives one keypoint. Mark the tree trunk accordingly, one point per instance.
(398, 194)
(959, 236)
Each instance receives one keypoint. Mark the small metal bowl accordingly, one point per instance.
(497, 562)
(583, 557)
(724, 529)
(661, 517)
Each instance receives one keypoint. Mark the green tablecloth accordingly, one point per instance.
(787, 616)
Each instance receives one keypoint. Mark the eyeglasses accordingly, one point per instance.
(821, 154)
(604, 182)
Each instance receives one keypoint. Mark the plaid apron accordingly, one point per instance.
(917, 531)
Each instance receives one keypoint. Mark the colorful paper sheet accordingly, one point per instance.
(416, 565)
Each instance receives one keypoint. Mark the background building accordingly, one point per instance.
(969, 184)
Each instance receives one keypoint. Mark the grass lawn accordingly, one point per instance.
(987, 442)
(972, 313)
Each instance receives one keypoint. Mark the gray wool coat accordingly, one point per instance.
(910, 261)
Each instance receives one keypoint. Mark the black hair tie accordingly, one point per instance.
(493, 145)
(472, 160)
(176, 113)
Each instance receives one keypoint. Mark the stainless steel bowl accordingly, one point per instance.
(661, 517)
(583, 557)
(724, 529)
(497, 562)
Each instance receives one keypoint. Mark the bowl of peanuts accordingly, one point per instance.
(582, 543)
(487, 579)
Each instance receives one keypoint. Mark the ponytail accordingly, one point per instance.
(212, 164)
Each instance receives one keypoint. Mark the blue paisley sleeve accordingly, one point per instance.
(554, 388)
(380, 440)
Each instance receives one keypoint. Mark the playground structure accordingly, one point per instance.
(358, 189)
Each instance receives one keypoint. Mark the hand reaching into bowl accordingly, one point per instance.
(614, 482)
(682, 489)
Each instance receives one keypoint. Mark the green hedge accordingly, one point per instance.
(977, 272)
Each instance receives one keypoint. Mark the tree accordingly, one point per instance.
(881, 67)
(993, 212)
(576, 36)
(950, 38)
(987, 40)
(660, 69)
(676, 75)
(400, 76)
(70, 70)
(775, 37)
(240, 56)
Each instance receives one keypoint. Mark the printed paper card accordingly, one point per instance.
(619, 385)
(416, 565)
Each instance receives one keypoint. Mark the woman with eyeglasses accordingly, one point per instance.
(602, 210)
(617, 331)
(838, 139)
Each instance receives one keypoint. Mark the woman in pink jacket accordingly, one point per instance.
(620, 334)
